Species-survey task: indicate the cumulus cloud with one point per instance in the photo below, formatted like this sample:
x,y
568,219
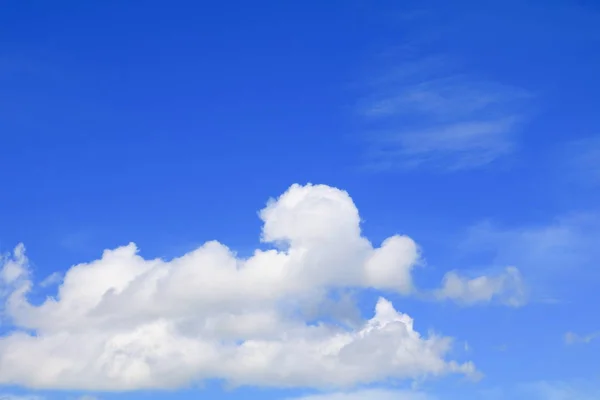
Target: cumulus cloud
x,y
123,322
506,288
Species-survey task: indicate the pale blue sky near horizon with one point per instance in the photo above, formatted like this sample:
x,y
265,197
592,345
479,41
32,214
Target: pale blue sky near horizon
x,y
470,126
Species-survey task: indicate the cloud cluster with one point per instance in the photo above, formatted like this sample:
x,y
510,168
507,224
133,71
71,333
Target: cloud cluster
x,y
123,322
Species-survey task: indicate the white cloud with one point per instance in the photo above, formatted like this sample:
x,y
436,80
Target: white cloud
x,y
506,288
51,279
372,394
14,266
123,322
573,338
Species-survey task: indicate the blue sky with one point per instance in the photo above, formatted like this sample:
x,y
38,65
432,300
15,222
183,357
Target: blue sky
x,y
339,200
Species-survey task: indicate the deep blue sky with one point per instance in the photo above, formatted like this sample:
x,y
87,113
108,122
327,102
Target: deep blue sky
x,y
471,126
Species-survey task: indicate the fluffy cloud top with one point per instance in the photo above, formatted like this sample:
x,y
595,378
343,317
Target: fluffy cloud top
x,y
123,322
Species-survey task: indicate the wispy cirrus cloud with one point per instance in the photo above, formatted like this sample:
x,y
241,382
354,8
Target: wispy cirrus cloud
x,y
545,390
551,390
574,338
5,396
563,243
560,253
431,114
370,394
583,160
